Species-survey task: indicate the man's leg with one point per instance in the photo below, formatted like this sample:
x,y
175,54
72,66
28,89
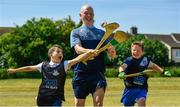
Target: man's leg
x,y
98,96
80,92
79,102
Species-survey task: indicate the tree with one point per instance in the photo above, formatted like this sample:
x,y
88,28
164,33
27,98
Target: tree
x,y
28,44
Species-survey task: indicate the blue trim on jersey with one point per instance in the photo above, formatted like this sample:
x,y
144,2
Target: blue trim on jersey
x,y
85,33
88,37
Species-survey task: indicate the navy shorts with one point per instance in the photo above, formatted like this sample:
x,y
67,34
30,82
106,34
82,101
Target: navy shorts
x,y
82,88
130,96
49,101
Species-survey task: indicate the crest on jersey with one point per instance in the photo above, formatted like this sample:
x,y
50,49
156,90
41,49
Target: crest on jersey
x,y
55,73
144,62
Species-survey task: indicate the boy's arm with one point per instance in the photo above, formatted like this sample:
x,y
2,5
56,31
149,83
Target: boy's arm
x,y
23,69
121,74
79,58
155,67
122,67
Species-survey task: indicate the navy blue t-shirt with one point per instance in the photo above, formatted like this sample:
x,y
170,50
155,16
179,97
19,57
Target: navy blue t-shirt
x,y
53,80
88,37
135,66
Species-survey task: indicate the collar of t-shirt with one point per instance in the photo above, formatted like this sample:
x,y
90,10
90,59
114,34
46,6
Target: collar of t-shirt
x,y
52,64
90,27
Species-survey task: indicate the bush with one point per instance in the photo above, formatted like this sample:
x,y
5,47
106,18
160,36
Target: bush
x,y
174,70
111,72
3,74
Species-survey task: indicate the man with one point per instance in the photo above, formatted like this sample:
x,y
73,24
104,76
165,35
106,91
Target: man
x,y
88,78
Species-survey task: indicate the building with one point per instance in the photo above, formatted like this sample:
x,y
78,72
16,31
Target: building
x,y
5,30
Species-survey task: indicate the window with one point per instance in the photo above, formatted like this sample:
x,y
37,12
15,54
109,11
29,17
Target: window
x,y
178,53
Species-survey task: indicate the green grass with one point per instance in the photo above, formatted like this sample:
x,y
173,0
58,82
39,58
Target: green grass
x,y
22,92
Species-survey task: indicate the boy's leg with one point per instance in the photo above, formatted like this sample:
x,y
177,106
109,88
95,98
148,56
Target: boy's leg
x,y
98,96
128,98
48,101
141,102
57,102
141,97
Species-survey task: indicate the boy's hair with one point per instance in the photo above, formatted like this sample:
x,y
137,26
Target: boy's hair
x,y
139,43
51,50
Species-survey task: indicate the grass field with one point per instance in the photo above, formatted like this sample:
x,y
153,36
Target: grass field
x,y
22,92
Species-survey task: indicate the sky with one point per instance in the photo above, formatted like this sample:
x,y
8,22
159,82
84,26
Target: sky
x,y
149,16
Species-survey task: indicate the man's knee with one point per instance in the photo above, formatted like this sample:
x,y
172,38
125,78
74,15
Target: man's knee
x,y
79,102
99,104
98,97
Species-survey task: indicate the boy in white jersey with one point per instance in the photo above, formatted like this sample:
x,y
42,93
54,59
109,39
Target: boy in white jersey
x,y
51,90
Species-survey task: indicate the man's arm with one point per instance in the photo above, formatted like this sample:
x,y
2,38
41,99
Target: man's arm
x,y
23,69
76,43
80,50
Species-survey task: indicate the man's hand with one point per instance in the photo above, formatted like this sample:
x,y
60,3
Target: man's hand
x,y
121,75
111,52
93,54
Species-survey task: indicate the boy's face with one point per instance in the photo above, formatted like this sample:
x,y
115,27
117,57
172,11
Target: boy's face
x,y
136,51
57,55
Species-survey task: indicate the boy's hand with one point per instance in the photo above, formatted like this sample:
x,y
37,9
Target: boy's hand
x,y
11,70
167,73
121,75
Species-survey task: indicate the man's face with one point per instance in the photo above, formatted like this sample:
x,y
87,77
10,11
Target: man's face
x,y
57,55
87,16
136,51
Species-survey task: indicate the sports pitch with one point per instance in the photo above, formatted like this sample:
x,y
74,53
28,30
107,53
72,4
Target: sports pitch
x,y
22,92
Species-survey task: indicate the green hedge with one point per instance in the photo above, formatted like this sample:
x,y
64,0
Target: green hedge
x,y
110,72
